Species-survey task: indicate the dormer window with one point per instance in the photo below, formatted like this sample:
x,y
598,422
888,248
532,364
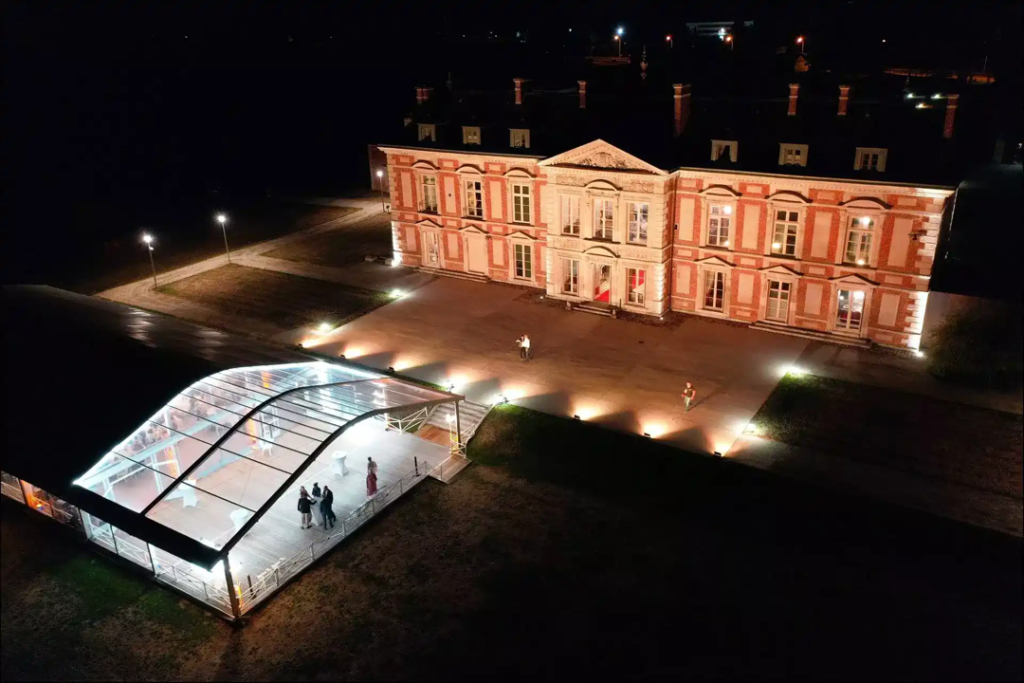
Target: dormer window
x,y
792,155
870,159
471,135
724,150
519,137
427,131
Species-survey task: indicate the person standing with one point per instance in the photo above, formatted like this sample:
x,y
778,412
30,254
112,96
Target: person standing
x,y
305,509
314,504
327,508
316,489
689,393
371,477
525,346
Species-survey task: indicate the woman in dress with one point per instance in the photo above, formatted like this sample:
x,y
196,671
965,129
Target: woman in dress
x,y
318,516
371,477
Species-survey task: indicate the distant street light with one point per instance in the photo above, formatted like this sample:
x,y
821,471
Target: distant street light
x,y
148,239
669,39
617,40
380,181
802,43
732,44
222,219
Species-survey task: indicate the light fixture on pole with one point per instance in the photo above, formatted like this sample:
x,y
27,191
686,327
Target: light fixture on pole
x,y
732,43
222,219
668,39
380,182
802,43
148,239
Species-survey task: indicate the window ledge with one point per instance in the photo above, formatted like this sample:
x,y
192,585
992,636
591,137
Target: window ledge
x,y
601,240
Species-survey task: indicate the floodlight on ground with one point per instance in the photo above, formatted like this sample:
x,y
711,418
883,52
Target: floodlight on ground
x,y
324,327
576,417
648,435
341,356
717,454
918,353
391,369
397,293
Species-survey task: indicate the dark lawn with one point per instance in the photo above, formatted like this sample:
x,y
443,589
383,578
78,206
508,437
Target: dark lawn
x,y
344,246
962,444
120,261
285,300
572,552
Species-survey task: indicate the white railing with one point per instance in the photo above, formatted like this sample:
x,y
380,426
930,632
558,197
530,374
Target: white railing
x,y
275,576
180,577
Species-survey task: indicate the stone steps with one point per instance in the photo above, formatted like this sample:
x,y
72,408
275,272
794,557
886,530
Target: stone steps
x,y
470,417
595,309
812,334
458,275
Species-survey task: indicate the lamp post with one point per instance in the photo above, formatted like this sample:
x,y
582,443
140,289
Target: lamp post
x,y
148,239
618,38
801,42
380,181
732,43
222,219
668,39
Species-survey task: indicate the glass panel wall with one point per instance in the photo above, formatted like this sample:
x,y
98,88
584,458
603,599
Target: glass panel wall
x,y
132,549
208,586
37,499
99,532
10,486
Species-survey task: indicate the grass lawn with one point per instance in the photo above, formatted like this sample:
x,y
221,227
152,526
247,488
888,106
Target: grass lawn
x,y
571,552
120,261
961,444
285,300
344,246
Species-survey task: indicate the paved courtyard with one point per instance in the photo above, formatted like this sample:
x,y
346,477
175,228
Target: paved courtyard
x,y
616,373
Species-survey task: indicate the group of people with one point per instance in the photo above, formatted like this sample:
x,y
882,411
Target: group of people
x,y
144,439
317,505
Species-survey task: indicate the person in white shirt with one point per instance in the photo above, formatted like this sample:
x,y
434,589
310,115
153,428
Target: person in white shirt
x,y
525,348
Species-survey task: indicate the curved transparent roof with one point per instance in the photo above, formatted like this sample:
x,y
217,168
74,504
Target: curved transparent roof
x,y
226,447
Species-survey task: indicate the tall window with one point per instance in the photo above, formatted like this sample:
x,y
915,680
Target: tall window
x,y
638,222
519,137
719,225
778,301
524,261
570,215
427,131
714,290
850,310
637,281
474,199
869,161
858,241
570,276
604,218
521,203
429,194
784,236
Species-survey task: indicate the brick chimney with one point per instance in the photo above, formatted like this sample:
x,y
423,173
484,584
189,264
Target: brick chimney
x,y
519,89
947,127
794,91
583,94
844,98
682,107
427,92
419,95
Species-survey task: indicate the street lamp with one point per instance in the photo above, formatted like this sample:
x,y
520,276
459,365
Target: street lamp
x,y
668,39
616,38
222,219
148,239
732,45
802,43
380,182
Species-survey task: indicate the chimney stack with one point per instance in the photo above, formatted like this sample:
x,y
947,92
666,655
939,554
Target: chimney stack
x,y
682,107
844,98
583,94
519,90
947,127
427,92
419,95
794,91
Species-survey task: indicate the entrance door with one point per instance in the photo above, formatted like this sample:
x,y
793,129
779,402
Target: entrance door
x,y
850,310
476,259
602,283
431,250
778,301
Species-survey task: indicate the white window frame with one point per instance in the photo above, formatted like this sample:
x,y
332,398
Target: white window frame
x,y
637,229
858,159
719,146
636,297
792,155
522,251
784,287
791,227
522,202
854,293
425,182
466,204
519,138
602,220
724,303
722,214
570,276
864,235
432,238
569,214
471,135
427,131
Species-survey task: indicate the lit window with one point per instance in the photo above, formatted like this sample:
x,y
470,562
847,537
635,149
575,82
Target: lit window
x,y
870,159
429,185
519,137
471,135
849,310
778,301
638,222
784,235
723,150
524,261
637,280
521,203
719,225
714,290
570,276
792,155
604,218
570,215
858,241
428,132
474,199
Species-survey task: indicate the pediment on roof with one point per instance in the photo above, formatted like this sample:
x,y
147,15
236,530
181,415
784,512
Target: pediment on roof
x,y
789,196
780,269
720,190
427,223
600,251
854,279
520,235
867,202
713,261
601,155
472,229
